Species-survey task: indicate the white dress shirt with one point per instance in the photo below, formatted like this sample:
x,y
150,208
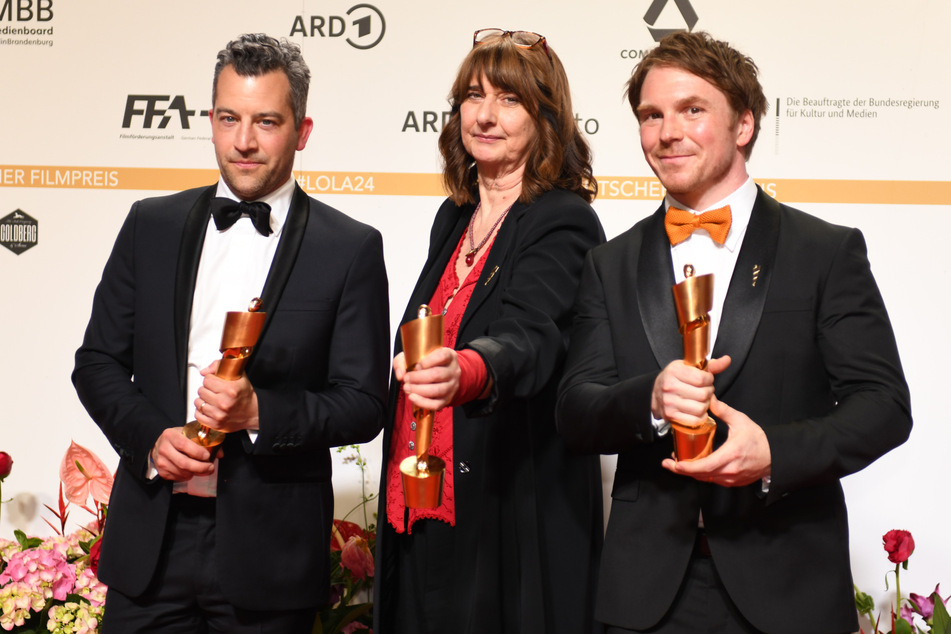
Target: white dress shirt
x,y
707,256
233,268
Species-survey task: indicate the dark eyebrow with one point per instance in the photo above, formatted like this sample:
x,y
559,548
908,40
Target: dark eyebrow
x,y
679,104
258,115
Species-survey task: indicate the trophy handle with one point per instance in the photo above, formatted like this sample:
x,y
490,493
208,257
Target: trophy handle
x,y
238,338
422,474
693,299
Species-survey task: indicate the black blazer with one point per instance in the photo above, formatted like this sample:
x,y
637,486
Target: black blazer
x,y
319,371
517,488
814,363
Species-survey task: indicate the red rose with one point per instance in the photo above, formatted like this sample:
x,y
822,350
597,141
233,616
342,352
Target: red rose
x,y
899,545
6,464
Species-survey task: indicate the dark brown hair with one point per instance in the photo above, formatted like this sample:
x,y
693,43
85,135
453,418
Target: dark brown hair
x,y
733,73
558,157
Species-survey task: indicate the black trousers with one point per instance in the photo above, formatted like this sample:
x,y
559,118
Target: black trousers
x,y
185,596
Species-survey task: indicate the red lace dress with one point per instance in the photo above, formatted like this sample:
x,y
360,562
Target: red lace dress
x,y
403,432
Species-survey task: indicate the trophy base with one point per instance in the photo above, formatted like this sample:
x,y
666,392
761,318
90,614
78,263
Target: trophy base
x,y
204,436
422,490
692,443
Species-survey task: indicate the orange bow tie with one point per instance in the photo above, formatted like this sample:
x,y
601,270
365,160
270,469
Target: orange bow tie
x,y
680,224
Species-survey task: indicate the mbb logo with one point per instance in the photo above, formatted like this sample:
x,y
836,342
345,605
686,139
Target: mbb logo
x,y
26,10
363,26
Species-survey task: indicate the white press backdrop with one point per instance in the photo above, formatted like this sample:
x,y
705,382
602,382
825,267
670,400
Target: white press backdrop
x,y
102,106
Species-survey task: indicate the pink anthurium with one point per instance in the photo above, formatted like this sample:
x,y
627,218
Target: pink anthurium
x,y
357,558
84,474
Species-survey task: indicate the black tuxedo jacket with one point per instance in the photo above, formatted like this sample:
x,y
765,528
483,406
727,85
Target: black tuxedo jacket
x,y
319,370
814,363
528,511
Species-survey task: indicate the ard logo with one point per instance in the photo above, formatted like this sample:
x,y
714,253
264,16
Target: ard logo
x,y
18,231
362,28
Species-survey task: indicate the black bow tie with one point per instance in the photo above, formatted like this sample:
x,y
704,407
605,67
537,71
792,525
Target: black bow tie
x,y
227,212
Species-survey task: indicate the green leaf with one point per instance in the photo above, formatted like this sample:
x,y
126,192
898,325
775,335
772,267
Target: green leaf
x,y
941,622
902,627
26,542
864,603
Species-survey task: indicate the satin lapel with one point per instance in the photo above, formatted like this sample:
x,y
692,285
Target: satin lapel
x,y
440,251
746,296
497,257
287,248
189,255
655,279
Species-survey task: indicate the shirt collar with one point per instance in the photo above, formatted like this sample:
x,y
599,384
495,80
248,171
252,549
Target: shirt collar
x,y
741,209
279,200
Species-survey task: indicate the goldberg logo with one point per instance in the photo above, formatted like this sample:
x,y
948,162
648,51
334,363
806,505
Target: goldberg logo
x,y
18,232
363,27
687,13
153,108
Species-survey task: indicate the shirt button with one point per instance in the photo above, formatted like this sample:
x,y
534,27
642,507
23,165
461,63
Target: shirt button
x,y
412,445
412,426
463,467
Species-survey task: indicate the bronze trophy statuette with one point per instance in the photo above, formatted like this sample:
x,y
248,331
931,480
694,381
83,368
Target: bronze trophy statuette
x,y
238,337
693,299
422,474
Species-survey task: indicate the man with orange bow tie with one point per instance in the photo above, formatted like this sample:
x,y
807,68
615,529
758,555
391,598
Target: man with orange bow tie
x,y
804,380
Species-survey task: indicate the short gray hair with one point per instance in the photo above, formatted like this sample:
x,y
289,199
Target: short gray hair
x,y
255,54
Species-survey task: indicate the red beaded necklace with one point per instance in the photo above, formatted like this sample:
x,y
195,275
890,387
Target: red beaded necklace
x,y
473,249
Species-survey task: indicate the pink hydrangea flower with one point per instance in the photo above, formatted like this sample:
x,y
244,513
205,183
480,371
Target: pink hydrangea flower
x,y
74,618
89,587
46,574
15,603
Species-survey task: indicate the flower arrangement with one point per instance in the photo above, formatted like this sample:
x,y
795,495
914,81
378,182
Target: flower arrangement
x,y
351,565
50,585
916,615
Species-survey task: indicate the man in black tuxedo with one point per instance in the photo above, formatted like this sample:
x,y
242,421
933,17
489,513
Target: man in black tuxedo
x,y
236,539
805,380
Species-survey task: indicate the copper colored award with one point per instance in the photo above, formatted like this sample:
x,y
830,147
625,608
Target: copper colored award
x,y
694,299
238,337
422,474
